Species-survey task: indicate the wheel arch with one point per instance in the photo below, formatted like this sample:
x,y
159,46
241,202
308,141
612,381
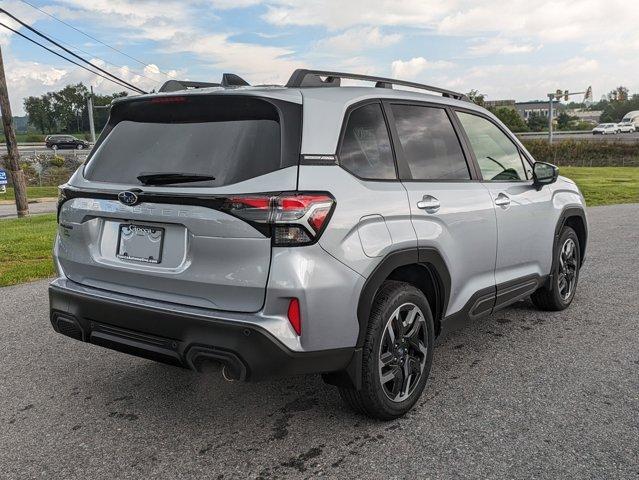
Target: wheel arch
x,y
403,265
423,268
575,218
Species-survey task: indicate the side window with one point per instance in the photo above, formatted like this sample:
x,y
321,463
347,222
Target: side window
x,y
366,149
430,144
496,154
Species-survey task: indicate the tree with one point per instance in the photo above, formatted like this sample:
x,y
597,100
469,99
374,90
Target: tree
x,y
66,110
511,118
564,121
40,112
537,122
619,94
68,106
477,98
615,111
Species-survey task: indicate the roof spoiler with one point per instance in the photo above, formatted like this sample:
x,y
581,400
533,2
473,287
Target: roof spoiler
x,y
229,80
313,78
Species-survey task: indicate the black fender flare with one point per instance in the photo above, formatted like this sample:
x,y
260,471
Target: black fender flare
x,y
428,257
567,213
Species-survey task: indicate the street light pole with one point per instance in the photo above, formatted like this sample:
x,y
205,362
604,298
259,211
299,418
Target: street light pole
x,y
13,156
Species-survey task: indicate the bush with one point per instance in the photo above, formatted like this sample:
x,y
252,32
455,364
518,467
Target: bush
x,y
34,138
57,161
55,176
30,173
585,153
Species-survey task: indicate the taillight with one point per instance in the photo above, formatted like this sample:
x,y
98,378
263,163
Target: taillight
x,y
295,218
61,199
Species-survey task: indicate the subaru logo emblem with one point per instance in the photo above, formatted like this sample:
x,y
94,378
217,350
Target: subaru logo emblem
x,y
128,198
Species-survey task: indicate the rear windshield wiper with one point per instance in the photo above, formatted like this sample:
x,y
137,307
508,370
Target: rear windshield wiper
x,y
152,178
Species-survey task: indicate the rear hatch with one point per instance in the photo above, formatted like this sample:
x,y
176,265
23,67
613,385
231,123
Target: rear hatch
x,y
160,209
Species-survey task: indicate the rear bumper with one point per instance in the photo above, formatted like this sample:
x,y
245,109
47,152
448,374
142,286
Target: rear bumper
x,y
247,351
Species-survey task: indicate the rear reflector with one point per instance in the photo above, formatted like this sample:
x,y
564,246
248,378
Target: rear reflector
x,y
294,316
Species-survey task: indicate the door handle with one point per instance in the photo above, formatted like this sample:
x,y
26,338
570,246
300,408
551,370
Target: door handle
x,y
429,203
502,200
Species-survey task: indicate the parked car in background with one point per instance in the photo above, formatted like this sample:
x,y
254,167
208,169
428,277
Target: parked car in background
x,y
605,129
626,127
55,142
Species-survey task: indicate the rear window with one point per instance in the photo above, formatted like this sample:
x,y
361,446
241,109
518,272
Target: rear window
x,y
230,138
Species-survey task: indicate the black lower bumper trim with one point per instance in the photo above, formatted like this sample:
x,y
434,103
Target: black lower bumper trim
x,y
248,352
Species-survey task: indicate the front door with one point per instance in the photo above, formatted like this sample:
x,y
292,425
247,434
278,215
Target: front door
x,y
525,234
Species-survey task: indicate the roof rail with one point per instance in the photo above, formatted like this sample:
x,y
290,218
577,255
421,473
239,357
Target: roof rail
x,y
312,78
229,80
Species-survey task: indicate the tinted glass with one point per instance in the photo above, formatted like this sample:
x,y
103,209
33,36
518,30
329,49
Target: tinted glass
x,y
497,155
230,151
430,144
366,149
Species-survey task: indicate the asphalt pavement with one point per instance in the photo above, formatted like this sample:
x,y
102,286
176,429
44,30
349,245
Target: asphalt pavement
x,y
521,394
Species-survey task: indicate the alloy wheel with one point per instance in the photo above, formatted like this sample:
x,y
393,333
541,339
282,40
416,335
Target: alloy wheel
x,y
403,352
567,277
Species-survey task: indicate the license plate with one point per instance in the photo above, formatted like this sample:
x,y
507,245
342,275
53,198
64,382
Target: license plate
x,y
140,243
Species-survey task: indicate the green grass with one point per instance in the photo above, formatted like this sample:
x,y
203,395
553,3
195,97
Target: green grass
x,y
33,193
25,244
25,248
605,185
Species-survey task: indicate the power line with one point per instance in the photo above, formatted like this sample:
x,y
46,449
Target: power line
x,y
98,58
92,37
62,56
131,86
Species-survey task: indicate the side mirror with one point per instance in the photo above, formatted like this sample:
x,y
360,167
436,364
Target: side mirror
x,y
544,174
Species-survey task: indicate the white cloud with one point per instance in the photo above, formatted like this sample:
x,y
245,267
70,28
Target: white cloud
x,y
358,39
230,4
258,63
338,14
498,45
526,82
411,69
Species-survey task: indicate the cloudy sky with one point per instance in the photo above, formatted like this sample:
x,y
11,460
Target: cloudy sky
x,y
505,49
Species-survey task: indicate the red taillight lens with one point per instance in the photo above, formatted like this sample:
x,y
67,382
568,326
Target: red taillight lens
x,y
296,218
294,316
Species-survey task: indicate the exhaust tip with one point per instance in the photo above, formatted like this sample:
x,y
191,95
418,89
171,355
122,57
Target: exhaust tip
x,y
233,368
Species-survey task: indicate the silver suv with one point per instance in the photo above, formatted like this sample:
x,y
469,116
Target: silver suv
x,y
308,228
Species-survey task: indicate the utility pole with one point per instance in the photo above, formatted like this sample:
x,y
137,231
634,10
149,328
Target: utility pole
x,y
551,99
90,108
13,163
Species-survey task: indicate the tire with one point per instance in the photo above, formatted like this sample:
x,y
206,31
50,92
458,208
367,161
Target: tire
x,y
394,301
80,146
54,147
559,295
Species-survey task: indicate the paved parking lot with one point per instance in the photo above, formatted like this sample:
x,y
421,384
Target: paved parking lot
x,y
521,394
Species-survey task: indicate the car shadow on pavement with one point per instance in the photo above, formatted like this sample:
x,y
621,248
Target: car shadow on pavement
x,y
159,391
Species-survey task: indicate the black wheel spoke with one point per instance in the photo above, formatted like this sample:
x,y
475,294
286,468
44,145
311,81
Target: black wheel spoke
x,y
403,352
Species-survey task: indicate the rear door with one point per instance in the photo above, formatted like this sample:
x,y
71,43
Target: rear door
x,y
450,210
190,243
525,232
